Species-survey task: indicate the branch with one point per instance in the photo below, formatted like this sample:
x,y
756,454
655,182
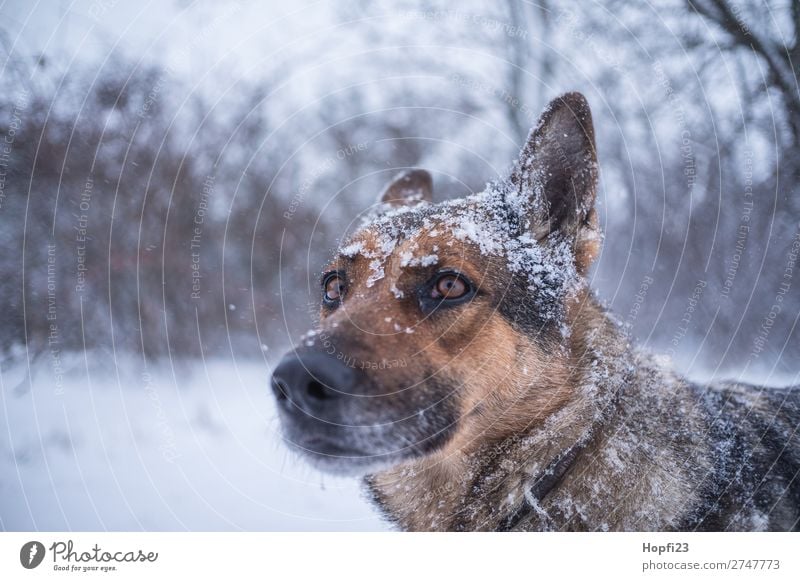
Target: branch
x,y
519,50
782,73
795,52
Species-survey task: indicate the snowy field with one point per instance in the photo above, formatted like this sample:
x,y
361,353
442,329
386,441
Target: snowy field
x,y
190,447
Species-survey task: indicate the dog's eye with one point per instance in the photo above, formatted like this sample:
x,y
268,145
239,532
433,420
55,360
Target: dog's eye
x,y
446,289
449,286
333,287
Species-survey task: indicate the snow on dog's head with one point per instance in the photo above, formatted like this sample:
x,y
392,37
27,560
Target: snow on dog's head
x,y
432,314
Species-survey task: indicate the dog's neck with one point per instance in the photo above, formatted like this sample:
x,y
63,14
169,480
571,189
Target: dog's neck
x,y
518,469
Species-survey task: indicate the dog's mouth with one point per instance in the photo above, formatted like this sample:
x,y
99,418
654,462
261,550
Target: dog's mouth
x,y
337,456
355,451
323,446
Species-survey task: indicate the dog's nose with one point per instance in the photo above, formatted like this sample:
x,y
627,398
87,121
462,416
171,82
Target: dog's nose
x,y
311,381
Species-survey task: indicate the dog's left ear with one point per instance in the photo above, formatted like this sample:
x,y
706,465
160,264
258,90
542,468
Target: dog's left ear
x,y
407,188
555,177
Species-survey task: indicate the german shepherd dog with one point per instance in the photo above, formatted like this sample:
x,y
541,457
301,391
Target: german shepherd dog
x,y
464,367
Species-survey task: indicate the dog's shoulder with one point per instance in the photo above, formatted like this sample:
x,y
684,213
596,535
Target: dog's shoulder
x,y
754,433
739,399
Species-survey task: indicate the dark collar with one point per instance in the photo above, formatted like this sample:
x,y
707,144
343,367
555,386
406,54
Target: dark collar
x,y
556,470
547,480
558,467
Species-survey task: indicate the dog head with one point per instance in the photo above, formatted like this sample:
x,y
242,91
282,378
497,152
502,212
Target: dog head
x,y
444,323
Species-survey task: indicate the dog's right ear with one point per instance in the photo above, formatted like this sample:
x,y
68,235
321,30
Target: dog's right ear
x,y
408,188
554,182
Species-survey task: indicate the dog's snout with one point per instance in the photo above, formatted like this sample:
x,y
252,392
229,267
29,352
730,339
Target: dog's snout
x,y
311,381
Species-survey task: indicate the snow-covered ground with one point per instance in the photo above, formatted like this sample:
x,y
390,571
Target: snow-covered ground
x,y
192,446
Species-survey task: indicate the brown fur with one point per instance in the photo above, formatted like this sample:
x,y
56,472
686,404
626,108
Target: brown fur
x,y
522,407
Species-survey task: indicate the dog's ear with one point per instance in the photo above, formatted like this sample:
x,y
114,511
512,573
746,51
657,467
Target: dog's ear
x,y
407,188
555,177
